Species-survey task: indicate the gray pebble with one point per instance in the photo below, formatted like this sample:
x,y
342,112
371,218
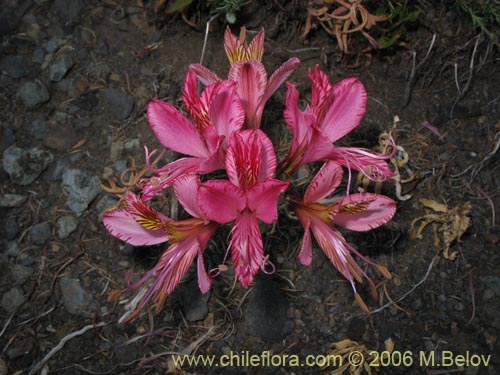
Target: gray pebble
x,y
40,233
76,299
34,94
119,103
13,299
66,225
80,188
25,165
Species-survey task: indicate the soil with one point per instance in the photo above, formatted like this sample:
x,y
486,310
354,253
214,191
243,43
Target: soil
x,y
100,63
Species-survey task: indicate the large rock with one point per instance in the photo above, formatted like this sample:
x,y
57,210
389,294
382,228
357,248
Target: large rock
x,y
80,188
25,165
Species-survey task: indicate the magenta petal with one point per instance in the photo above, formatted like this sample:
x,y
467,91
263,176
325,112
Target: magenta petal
x,y
246,247
205,76
204,280
174,130
364,211
251,78
268,157
221,201
186,190
305,253
226,112
324,182
263,199
279,76
321,87
346,109
123,226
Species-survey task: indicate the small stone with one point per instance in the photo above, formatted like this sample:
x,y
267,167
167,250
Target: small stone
x,y
80,188
68,10
417,304
127,249
492,282
194,303
24,166
119,103
20,274
40,233
13,299
442,298
53,44
12,200
77,300
60,67
14,66
116,150
106,203
34,94
107,173
12,249
459,306
121,165
488,294
39,129
66,225
61,137
133,146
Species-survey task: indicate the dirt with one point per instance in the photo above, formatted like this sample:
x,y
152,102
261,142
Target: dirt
x,y
55,288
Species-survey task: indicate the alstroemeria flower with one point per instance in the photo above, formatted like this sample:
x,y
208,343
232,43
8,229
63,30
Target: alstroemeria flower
x,y
251,194
358,212
254,87
139,224
334,112
217,113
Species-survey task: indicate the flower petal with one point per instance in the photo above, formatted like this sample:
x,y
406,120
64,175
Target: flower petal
x,y
145,215
372,165
123,226
251,78
205,75
235,50
305,253
186,190
324,182
346,109
263,198
246,247
220,200
226,112
255,49
174,130
204,280
321,87
279,76
364,211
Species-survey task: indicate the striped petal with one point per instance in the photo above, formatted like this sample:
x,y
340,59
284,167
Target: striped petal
x,y
324,182
220,201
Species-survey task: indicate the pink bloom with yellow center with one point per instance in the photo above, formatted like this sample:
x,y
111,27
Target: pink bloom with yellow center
x,y
358,212
251,194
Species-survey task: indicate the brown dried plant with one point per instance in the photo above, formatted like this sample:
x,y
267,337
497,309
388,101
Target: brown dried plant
x,y
342,18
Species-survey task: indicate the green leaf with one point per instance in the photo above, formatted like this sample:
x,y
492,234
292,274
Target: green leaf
x,y
178,5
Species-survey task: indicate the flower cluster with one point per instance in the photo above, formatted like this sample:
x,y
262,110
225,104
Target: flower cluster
x,y
224,134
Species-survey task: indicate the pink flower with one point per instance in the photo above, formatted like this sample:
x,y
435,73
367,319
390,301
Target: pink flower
x,y
141,225
254,87
217,113
358,212
334,112
251,194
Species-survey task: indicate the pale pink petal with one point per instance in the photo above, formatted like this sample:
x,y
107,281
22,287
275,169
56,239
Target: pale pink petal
x,y
205,76
255,49
321,87
226,112
373,165
263,198
235,50
318,148
334,246
122,225
204,280
364,211
324,182
186,190
246,247
345,110
145,215
221,201
267,156
279,76
300,123
174,130
166,175
251,78
305,253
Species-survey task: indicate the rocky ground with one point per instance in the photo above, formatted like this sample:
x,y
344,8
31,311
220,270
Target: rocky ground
x,y
75,79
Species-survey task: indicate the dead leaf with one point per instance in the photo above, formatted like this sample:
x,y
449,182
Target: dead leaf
x,y
449,224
